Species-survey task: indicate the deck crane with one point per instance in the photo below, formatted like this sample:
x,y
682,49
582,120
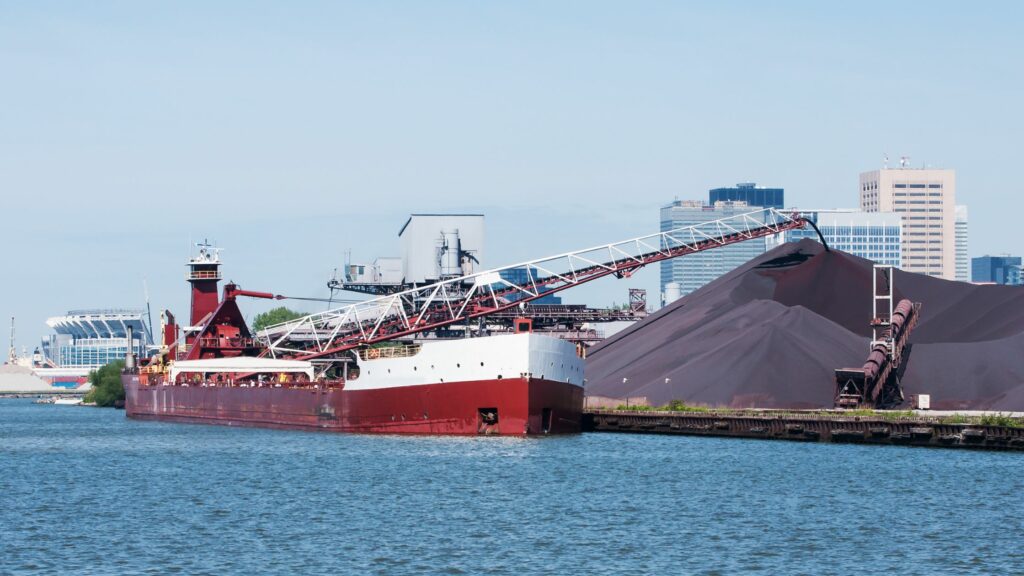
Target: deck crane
x,y
329,334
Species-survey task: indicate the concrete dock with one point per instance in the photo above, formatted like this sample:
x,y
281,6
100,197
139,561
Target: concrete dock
x,y
945,431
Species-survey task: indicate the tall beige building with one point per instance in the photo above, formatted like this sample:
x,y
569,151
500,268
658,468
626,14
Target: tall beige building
x,y
927,200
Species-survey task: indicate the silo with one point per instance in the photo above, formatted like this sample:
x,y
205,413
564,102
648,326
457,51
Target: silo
x,y
673,292
449,254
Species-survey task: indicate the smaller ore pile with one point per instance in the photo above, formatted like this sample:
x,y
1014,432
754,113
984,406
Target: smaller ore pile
x,y
771,333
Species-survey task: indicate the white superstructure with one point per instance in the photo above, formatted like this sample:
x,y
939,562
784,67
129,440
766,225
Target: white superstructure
x,y
469,360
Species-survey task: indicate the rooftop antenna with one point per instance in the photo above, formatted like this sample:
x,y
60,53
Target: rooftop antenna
x,y
885,161
904,161
12,354
332,285
208,252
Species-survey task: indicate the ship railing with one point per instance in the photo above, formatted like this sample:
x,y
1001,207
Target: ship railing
x,y
203,275
389,352
268,382
240,342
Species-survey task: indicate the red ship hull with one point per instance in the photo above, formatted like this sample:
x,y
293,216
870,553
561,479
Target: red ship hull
x,y
522,405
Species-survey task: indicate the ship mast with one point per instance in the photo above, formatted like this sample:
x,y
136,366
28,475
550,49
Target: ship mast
x,y
12,353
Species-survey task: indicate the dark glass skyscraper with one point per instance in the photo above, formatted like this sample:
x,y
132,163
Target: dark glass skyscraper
x,y
750,193
998,269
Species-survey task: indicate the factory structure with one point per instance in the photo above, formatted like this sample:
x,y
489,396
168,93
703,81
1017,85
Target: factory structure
x,y
438,247
434,247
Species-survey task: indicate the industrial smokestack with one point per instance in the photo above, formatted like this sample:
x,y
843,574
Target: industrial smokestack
x,y
129,357
449,254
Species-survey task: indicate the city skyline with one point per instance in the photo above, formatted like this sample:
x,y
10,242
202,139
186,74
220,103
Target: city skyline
x,y
289,136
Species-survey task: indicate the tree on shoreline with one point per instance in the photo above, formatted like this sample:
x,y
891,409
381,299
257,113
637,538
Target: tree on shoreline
x,y
107,388
274,316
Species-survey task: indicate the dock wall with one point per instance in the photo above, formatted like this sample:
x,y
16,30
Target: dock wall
x,y
909,431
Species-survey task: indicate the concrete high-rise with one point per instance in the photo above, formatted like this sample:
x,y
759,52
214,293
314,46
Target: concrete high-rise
x,y
963,261
926,198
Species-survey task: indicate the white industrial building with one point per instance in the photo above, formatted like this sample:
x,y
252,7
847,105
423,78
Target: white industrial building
x,y
433,247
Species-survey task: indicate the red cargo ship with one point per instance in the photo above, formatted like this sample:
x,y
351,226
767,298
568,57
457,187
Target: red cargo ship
x,y
510,384
329,371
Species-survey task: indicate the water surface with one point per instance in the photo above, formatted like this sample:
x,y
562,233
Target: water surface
x,y
87,491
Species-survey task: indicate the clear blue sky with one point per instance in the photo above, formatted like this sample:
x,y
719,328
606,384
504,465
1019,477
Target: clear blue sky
x,y
291,131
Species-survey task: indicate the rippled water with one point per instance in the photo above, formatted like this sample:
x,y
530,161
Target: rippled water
x,y
88,491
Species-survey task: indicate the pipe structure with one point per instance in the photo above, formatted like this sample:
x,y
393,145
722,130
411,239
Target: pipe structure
x,y
129,357
876,383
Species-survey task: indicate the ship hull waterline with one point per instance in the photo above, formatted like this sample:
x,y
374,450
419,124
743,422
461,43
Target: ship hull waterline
x,y
523,406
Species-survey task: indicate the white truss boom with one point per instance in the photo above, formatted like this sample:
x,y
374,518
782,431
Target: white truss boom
x,y
464,298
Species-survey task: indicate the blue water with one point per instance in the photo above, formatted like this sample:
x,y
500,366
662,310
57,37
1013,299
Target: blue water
x,y
86,491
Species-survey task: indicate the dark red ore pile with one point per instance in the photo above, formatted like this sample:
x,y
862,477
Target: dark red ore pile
x,y
771,333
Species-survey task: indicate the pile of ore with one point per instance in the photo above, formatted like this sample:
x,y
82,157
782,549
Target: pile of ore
x,y
771,333
21,380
